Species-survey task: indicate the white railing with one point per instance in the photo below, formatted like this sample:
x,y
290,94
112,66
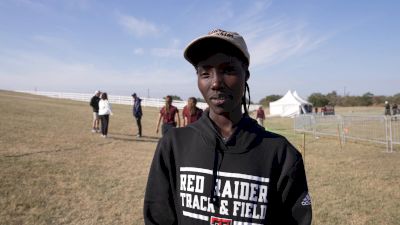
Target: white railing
x,y
377,129
124,100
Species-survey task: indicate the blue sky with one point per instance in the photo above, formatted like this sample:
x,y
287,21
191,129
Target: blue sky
x,y
126,46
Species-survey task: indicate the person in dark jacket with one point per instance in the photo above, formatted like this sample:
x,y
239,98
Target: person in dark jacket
x,y
225,168
137,113
394,109
94,103
387,108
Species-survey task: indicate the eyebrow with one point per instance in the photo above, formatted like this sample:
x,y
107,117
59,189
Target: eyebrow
x,y
209,65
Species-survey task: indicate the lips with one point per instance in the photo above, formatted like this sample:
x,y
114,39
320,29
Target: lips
x,y
220,99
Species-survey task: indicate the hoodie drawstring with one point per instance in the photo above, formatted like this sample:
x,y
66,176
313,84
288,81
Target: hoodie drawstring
x,y
217,163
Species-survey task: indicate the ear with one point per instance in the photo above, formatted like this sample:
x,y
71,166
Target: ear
x,y
247,74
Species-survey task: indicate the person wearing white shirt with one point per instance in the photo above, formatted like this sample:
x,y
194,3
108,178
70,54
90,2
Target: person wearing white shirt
x,y
104,113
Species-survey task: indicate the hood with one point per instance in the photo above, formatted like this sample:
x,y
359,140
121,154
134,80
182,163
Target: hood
x,y
246,136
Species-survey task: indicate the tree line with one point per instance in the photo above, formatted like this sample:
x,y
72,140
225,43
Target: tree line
x,y
332,98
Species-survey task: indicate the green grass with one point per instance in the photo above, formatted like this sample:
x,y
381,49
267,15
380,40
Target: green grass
x,y
53,170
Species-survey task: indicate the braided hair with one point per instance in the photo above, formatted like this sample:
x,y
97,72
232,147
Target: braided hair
x,y
246,105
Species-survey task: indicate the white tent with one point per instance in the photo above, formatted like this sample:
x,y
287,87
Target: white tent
x,y
289,105
300,99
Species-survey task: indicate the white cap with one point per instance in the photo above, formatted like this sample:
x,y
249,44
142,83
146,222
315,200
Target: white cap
x,y
232,38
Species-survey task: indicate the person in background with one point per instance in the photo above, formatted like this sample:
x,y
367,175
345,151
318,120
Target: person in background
x,y
104,113
387,108
94,103
225,168
137,113
168,114
191,113
394,109
323,110
260,116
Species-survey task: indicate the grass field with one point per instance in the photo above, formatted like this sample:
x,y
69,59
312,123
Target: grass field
x,y
53,170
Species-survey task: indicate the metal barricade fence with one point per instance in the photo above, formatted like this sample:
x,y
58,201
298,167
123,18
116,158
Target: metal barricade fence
x,y
327,125
395,130
376,129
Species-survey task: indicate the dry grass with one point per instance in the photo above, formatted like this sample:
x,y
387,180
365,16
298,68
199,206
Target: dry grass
x,y
53,170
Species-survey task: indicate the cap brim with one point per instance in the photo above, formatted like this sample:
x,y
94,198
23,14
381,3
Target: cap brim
x,y
208,43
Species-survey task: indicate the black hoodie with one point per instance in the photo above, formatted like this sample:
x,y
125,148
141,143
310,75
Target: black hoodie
x,y
197,177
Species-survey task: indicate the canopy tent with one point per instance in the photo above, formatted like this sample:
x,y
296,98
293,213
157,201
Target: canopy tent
x,y
289,105
300,99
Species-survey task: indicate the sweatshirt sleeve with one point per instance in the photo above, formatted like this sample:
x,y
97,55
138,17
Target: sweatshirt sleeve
x,y
293,187
159,207
92,103
110,108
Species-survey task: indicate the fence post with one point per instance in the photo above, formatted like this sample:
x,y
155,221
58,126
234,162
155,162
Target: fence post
x,y
314,124
386,132
390,135
339,136
343,131
294,124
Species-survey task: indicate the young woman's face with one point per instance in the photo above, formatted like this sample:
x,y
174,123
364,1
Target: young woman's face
x,y
221,81
190,102
168,100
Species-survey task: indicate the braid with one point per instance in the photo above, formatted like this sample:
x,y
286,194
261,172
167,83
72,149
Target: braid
x,y
244,102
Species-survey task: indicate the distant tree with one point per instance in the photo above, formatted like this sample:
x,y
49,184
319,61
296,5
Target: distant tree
x,y
395,98
200,100
175,97
333,98
318,99
351,100
379,99
269,98
366,99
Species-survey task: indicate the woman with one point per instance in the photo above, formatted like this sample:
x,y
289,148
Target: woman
x,y
190,112
225,168
260,116
168,114
104,113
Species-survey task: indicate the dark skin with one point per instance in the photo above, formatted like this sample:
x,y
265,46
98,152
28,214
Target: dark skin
x,y
221,81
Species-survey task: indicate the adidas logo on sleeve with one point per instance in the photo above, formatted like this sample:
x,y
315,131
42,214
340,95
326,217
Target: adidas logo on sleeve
x,y
306,200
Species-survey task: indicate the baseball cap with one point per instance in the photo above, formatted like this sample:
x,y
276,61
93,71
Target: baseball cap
x,y
133,95
97,92
213,41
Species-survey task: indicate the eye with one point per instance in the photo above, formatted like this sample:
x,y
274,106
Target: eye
x,y
229,70
204,75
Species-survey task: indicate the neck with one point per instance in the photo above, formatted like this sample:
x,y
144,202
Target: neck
x,y
226,122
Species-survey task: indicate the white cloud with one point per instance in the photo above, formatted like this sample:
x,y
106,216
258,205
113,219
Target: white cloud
x,y
166,52
173,51
23,70
50,40
137,27
34,5
273,40
138,51
80,4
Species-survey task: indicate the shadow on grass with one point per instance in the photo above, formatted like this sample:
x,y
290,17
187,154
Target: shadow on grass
x,y
40,152
135,139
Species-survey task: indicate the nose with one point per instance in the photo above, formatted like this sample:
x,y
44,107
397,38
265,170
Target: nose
x,y
217,81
